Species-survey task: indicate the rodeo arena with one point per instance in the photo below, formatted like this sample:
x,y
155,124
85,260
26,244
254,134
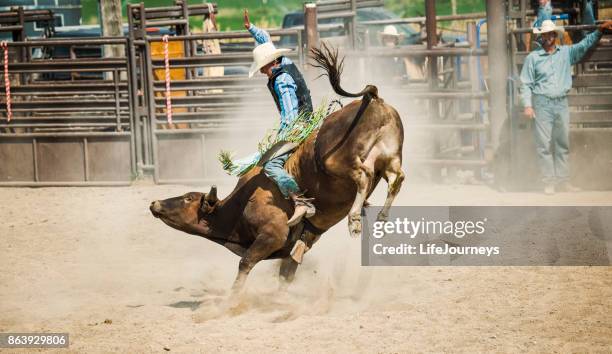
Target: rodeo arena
x,y
168,186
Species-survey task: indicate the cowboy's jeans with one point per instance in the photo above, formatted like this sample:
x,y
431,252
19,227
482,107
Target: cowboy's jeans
x,y
551,132
275,170
544,13
587,13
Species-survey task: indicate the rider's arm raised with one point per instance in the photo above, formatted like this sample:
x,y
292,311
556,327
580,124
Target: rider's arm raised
x,y
261,36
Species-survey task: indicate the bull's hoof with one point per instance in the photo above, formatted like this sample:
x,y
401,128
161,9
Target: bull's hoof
x,y
382,216
297,253
354,223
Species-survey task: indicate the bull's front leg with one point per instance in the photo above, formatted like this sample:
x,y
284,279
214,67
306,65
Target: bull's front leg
x,y
289,266
264,245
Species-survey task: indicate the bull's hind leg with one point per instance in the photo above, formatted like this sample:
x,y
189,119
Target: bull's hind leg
x,y
394,176
363,177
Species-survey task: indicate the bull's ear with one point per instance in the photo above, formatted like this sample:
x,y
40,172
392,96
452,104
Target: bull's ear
x,y
211,197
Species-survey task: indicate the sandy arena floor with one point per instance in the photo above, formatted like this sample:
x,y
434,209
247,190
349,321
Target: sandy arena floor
x,y
93,262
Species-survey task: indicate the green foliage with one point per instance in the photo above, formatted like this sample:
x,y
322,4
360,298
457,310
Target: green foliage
x,y
415,8
268,12
301,127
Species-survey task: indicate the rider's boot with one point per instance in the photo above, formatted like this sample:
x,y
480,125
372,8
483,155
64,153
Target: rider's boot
x,y
303,208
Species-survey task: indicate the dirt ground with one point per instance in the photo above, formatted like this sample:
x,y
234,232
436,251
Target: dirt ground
x,y
93,262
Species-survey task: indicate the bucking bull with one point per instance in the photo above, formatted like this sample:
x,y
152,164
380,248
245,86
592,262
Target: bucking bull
x,y
339,166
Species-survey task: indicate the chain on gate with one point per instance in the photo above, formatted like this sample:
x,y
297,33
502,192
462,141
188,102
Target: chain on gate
x,y
7,81
167,69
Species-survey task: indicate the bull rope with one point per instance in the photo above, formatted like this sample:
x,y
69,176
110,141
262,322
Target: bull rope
x,y
168,94
330,108
7,82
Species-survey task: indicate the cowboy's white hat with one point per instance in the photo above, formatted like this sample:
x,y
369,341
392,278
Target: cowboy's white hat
x,y
264,54
390,30
548,26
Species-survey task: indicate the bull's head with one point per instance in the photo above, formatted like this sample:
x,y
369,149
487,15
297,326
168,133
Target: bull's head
x,y
186,212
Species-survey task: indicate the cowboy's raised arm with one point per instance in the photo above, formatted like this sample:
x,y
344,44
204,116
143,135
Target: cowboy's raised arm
x,y
261,36
578,50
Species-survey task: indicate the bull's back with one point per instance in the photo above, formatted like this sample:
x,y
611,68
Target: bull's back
x,y
341,144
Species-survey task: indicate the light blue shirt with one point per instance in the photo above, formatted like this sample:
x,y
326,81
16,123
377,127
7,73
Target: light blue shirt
x,y
284,85
550,75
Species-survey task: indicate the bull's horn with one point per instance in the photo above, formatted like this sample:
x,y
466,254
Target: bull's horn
x,y
212,195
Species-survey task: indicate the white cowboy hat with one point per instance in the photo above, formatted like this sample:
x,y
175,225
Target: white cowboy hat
x,y
390,31
264,54
548,26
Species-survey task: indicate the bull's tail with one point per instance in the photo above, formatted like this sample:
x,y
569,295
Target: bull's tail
x,y
326,58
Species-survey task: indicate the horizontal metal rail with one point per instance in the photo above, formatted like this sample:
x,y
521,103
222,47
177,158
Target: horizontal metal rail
x,y
460,17
579,99
420,51
326,6
63,134
567,28
43,118
69,41
61,125
221,35
343,14
211,59
599,53
67,94
445,162
172,11
66,184
227,111
595,116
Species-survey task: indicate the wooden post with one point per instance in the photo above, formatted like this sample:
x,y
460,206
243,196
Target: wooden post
x,y
432,41
311,26
475,83
498,69
473,64
110,13
354,24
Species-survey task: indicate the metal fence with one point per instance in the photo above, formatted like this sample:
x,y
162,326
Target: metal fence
x,y
207,107
81,119
72,119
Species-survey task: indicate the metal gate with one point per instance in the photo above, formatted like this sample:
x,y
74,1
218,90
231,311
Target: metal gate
x,y
72,120
205,109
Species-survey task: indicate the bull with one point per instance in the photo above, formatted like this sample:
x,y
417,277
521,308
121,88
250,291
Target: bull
x,y
339,166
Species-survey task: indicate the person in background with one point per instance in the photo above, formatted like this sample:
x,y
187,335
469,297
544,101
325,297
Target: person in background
x,y
292,97
545,11
546,79
397,67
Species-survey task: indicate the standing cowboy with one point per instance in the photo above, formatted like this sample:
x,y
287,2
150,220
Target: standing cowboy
x,y
292,98
546,79
401,68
